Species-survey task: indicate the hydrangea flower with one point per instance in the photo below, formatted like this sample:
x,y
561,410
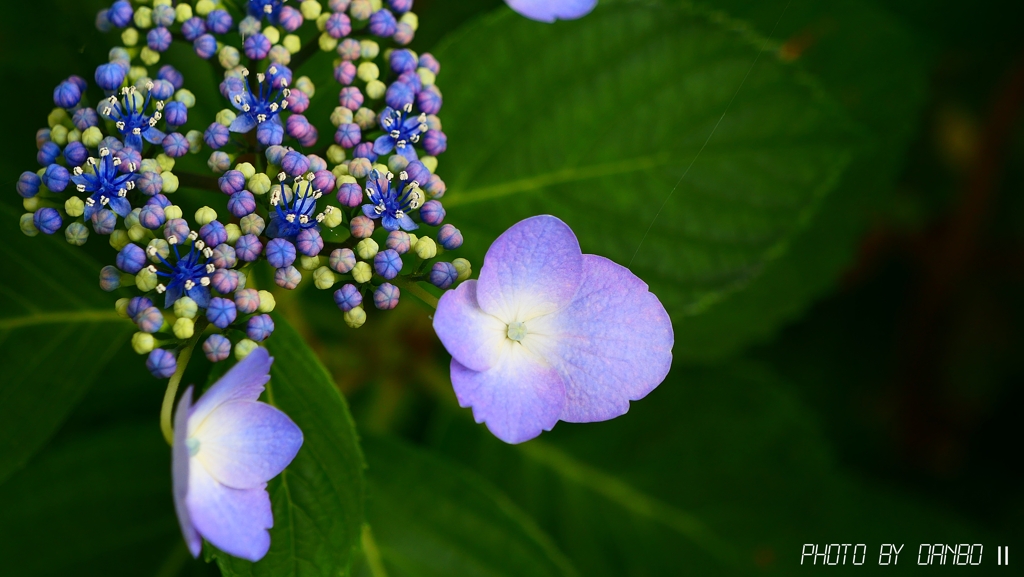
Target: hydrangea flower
x,y
551,10
188,276
107,186
260,107
226,448
402,131
391,201
131,118
293,212
550,334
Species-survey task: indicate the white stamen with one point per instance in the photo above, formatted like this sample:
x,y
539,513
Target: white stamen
x,y
161,289
172,239
189,285
205,281
210,268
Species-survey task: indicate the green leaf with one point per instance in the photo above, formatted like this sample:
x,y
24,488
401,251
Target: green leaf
x,y
433,518
731,446
57,331
318,499
598,120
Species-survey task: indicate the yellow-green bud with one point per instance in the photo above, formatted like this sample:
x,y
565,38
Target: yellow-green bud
x,y
144,17
74,135
234,232
335,154
341,116
130,37
165,162
324,278
368,71
292,43
309,263
119,239
59,135
306,86
362,272
369,49
163,249
430,162
149,56
121,306
411,19
205,215
381,168
267,302
375,89
137,73
228,56
92,137
138,233
247,169
185,97
397,163
412,239
259,184
184,328
425,248
272,34
146,280
27,225
367,249
58,116
143,343
186,308
31,204
332,219
173,211
182,12
204,7
327,42
340,171
244,348
321,22
310,9
226,117
170,182
464,268
355,318
427,77
365,118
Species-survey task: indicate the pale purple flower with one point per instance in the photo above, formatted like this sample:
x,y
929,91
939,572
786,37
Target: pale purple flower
x,y
550,10
226,447
550,334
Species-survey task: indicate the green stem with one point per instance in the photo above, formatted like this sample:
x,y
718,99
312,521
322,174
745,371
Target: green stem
x,y
416,291
372,553
172,385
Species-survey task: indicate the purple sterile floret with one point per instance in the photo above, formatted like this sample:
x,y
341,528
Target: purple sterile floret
x,y
226,448
548,333
551,10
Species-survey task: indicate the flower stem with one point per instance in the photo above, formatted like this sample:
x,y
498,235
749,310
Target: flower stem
x,y
416,291
172,385
372,553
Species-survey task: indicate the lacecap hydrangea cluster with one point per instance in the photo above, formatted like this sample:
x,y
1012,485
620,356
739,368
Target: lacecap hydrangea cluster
x,y
358,216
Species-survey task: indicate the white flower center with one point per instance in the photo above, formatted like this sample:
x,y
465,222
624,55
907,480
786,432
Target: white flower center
x,y
517,331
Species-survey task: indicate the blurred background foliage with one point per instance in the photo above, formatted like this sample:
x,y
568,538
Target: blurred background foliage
x,y
843,263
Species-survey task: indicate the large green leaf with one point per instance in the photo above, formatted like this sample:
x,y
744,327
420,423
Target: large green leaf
x,y
597,120
433,518
318,499
57,331
733,447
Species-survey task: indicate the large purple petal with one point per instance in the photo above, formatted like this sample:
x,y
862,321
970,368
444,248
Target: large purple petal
x,y
383,144
180,474
244,382
242,123
518,398
244,444
550,10
233,520
612,345
532,269
472,337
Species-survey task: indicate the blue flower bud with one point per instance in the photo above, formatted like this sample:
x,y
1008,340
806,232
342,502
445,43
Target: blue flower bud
x,y
219,22
449,237
350,97
403,61
161,363
175,145
348,135
67,94
435,186
342,260
365,150
432,213
428,61
323,180
110,278
193,28
216,136
171,74
56,178
295,163
387,263
269,133
287,277
256,46
386,296
350,195
221,312
152,216
309,242
136,305
76,153
232,181
176,113
159,39
361,227
224,281
205,46
110,76
259,327
348,297
435,142
121,13
338,26
85,118
149,320
241,203
104,221
158,200
131,259
48,153
280,253
47,220
28,184
76,234
217,348
247,301
213,233
150,184
163,90
429,100
399,241
443,275
176,230
399,95
248,248
383,23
